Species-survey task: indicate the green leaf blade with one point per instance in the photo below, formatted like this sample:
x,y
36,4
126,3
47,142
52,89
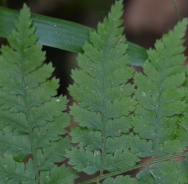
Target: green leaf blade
x,y
61,34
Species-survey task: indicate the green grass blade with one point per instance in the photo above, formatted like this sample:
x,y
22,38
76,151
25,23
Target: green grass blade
x,y
137,54
62,34
50,31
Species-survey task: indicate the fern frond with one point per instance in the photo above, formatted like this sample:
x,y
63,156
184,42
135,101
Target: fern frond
x,y
31,118
161,103
104,99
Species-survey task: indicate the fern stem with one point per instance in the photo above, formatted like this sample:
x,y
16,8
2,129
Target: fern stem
x,y
31,137
102,155
176,8
30,130
104,124
103,117
156,128
158,112
143,165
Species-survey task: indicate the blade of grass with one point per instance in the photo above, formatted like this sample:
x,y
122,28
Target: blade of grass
x,y
62,34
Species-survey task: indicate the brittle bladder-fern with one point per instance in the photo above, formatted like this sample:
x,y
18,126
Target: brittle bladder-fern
x,y
123,116
31,118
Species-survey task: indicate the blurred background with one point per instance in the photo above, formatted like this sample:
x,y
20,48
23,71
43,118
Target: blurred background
x,y
144,21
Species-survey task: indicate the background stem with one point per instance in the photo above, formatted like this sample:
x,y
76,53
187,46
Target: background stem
x,y
5,4
177,12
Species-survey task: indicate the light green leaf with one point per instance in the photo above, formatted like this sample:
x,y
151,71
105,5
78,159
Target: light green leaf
x,y
115,143
88,118
86,161
18,146
14,172
142,127
164,173
122,125
172,95
52,154
121,160
173,81
120,180
13,121
141,147
59,175
89,139
169,147
170,109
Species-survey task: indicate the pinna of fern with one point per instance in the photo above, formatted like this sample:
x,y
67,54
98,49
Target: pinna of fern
x,y
161,103
104,100
31,118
